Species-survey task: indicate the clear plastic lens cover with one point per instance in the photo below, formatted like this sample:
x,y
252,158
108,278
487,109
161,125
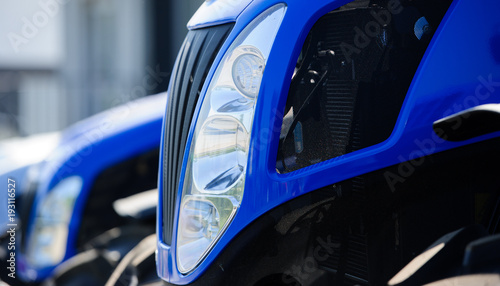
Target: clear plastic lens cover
x,y
202,219
214,179
220,156
47,243
248,68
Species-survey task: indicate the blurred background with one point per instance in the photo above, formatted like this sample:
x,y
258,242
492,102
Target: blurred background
x,y
64,60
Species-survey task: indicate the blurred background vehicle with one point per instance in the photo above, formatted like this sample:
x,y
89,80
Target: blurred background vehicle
x,y
107,157
67,209
19,158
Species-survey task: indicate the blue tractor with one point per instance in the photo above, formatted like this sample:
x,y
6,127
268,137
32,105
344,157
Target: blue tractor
x,y
330,142
76,219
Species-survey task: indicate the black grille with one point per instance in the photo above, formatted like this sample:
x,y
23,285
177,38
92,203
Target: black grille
x,y
191,68
359,107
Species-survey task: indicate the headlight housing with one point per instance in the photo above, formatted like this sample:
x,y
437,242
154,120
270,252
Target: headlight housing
x,y
214,179
48,239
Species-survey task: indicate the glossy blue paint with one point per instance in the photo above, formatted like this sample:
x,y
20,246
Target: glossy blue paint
x,y
86,149
216,12
459,70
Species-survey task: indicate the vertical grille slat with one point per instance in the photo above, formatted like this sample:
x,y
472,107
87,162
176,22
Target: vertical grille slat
x,y
190,71
183,87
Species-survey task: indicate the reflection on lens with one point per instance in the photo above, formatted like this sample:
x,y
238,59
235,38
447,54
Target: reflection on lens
x,y
219,155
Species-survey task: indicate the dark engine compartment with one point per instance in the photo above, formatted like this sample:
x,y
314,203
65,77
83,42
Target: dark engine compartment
x,y
351,78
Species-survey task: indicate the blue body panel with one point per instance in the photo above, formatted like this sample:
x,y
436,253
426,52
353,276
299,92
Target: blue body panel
x,y
460,69
88,148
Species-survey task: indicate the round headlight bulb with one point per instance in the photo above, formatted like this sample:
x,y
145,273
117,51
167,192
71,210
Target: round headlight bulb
x,y
247,70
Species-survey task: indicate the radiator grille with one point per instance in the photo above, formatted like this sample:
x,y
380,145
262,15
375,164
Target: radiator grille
x,y
345,91
191,68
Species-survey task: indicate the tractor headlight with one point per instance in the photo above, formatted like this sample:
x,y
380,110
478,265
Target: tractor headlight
x,y
248,68
48,240
214,181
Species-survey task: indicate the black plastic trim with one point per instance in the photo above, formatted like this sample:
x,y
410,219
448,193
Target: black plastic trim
x,y
191,68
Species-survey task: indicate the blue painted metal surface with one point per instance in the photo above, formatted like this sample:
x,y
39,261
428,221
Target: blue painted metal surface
x,y
85,150
460,69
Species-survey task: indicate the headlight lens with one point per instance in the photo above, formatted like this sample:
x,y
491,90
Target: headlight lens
x,y
219,157
215,173
48,240
248,68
